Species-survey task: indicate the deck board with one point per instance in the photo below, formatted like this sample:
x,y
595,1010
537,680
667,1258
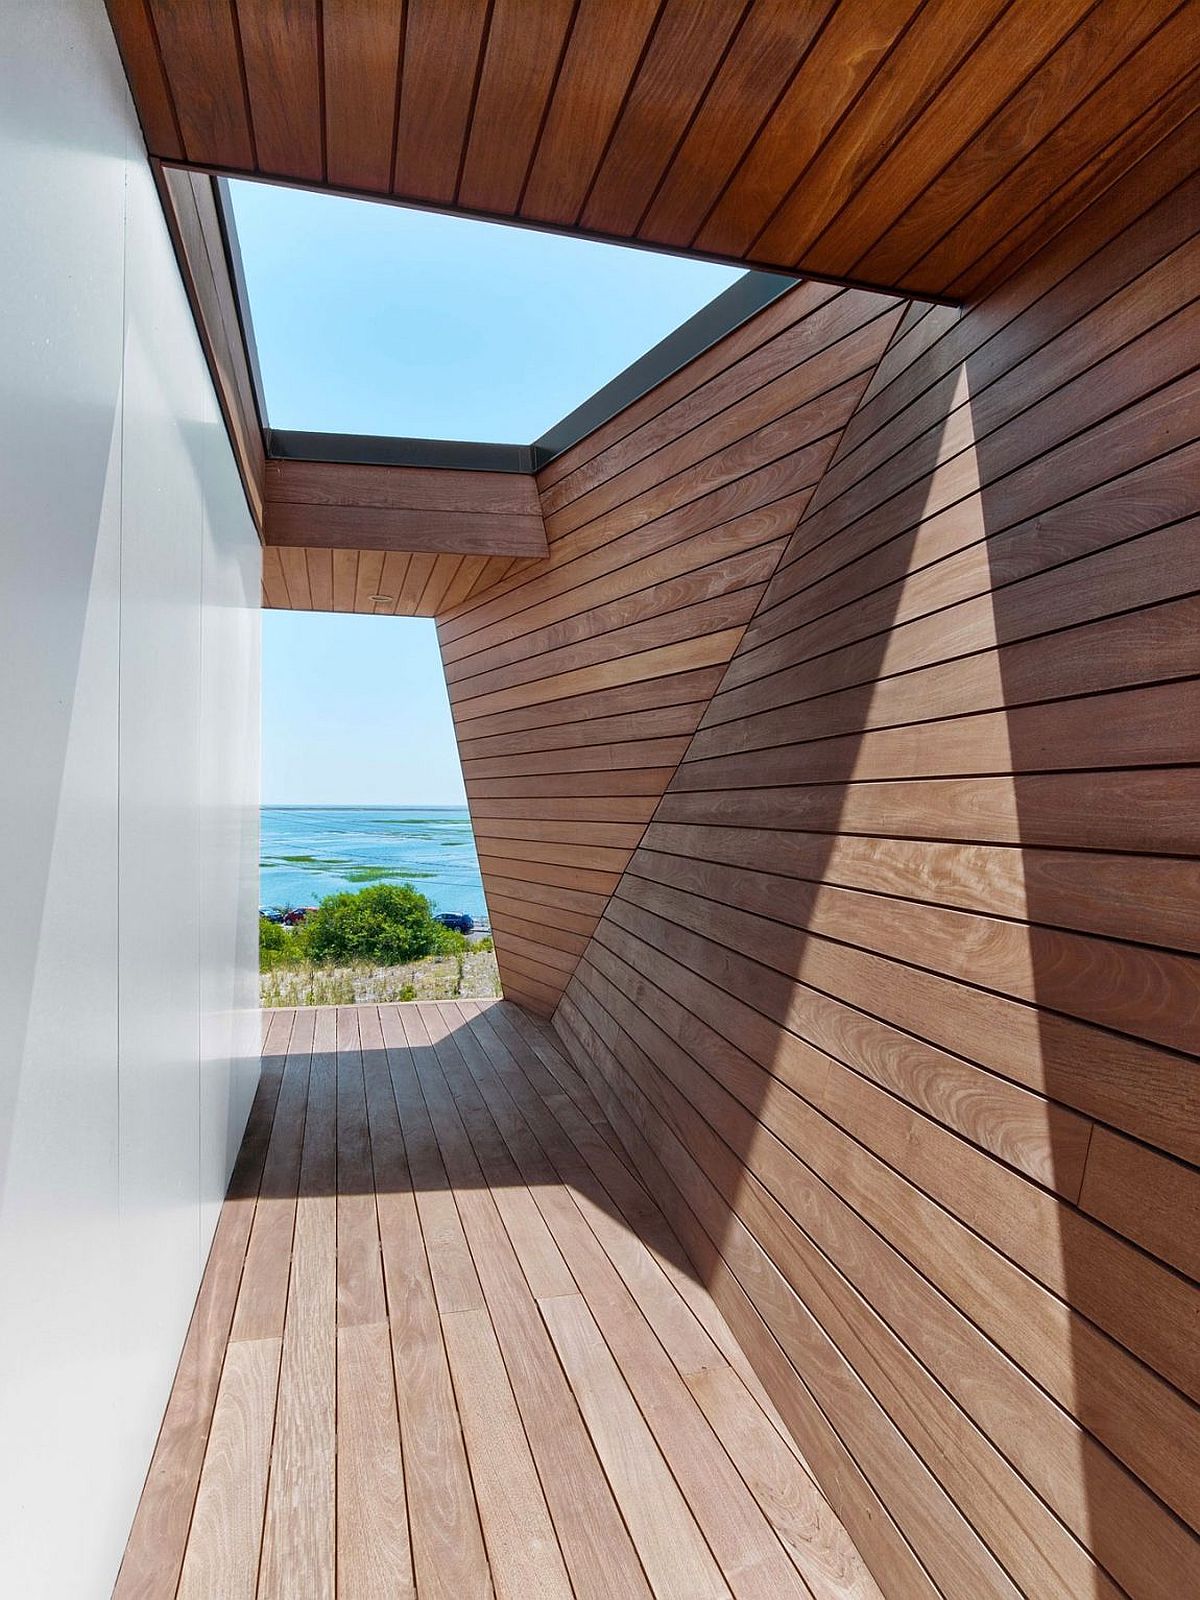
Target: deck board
x,y
468,1357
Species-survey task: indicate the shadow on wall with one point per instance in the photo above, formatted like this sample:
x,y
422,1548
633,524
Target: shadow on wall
x,y
720,983
1096,635
497,1075
888,1005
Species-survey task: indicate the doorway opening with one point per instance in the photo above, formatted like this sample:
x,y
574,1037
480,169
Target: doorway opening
x,y
370,888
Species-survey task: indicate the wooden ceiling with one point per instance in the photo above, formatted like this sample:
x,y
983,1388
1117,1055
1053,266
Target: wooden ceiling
x,y
393,541
920,145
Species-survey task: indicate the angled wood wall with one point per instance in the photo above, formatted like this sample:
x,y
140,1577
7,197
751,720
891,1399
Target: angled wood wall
x,y
893,1003
577,682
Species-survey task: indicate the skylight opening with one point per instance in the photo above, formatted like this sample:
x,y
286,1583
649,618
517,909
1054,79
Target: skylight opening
x,y
378,319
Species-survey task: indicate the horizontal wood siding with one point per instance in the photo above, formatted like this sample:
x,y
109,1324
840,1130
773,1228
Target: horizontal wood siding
x,y
437,510
576,682
893,1004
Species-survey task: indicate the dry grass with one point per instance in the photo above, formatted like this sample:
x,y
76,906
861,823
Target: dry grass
x,y
470,976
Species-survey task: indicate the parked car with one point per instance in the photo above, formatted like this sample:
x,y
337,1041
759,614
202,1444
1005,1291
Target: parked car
x,y
458,920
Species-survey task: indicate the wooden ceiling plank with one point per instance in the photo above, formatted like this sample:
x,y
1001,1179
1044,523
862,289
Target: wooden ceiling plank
x,y
685,52
274,586
941,37
468,574
1079,145
838,67
916,144
320,578
498,568
524,48
280,50
370,572
138,44
295,573
762,60
391,580
1105,37
442,577
202,57
598,66
442,44
420,569
345,579
1019,43
362,72
1166,138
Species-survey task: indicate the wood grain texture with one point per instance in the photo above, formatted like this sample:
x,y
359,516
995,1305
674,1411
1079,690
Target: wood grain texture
x,y
935,1147
325,504
663,531
470,1460
154,1553
899,144
190,207
376,583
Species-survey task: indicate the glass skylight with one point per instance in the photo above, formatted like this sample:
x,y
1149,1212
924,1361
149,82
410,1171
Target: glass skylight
x,y
378,319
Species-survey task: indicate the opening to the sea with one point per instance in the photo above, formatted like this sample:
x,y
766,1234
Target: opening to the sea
x,y
369,882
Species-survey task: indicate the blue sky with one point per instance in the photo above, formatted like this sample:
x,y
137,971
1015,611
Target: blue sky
x,y
355,712
375,319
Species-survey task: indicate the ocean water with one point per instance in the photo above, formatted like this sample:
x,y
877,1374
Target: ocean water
x,y
308,852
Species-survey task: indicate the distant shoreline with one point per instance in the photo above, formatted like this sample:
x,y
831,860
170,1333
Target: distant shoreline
x,y
308,852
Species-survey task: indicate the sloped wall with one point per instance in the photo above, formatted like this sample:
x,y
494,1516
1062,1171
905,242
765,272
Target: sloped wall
x,y
577,682
893,1002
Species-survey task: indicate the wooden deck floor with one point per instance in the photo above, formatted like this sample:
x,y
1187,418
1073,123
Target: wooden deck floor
x,y
447,1347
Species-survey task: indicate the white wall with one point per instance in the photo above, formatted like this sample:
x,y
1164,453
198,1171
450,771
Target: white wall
x,y
128,805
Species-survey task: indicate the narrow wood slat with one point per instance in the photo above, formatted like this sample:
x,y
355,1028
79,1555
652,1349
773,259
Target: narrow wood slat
x,y
374,1557
684,51
602,51
281,59
154,1553
360,1297
522,1546
361,60
227,1527
448,1554
299,1532
518,73
200,52
262,1293
669,1543
442,45
147,78
595,1545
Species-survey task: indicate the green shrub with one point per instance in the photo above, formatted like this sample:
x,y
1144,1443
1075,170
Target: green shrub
x,y
388,924
483,944
279,946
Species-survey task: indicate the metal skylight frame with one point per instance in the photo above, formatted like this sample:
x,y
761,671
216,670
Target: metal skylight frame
x,y
743,299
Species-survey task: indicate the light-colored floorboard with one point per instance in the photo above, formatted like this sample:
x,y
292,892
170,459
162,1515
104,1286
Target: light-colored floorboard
x,y
468,1359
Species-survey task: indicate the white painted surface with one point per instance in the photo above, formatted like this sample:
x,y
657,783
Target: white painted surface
x,y
128,805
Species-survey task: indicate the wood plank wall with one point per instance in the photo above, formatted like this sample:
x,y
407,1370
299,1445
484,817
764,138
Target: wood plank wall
x,y
894,1001
336,506
577,682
